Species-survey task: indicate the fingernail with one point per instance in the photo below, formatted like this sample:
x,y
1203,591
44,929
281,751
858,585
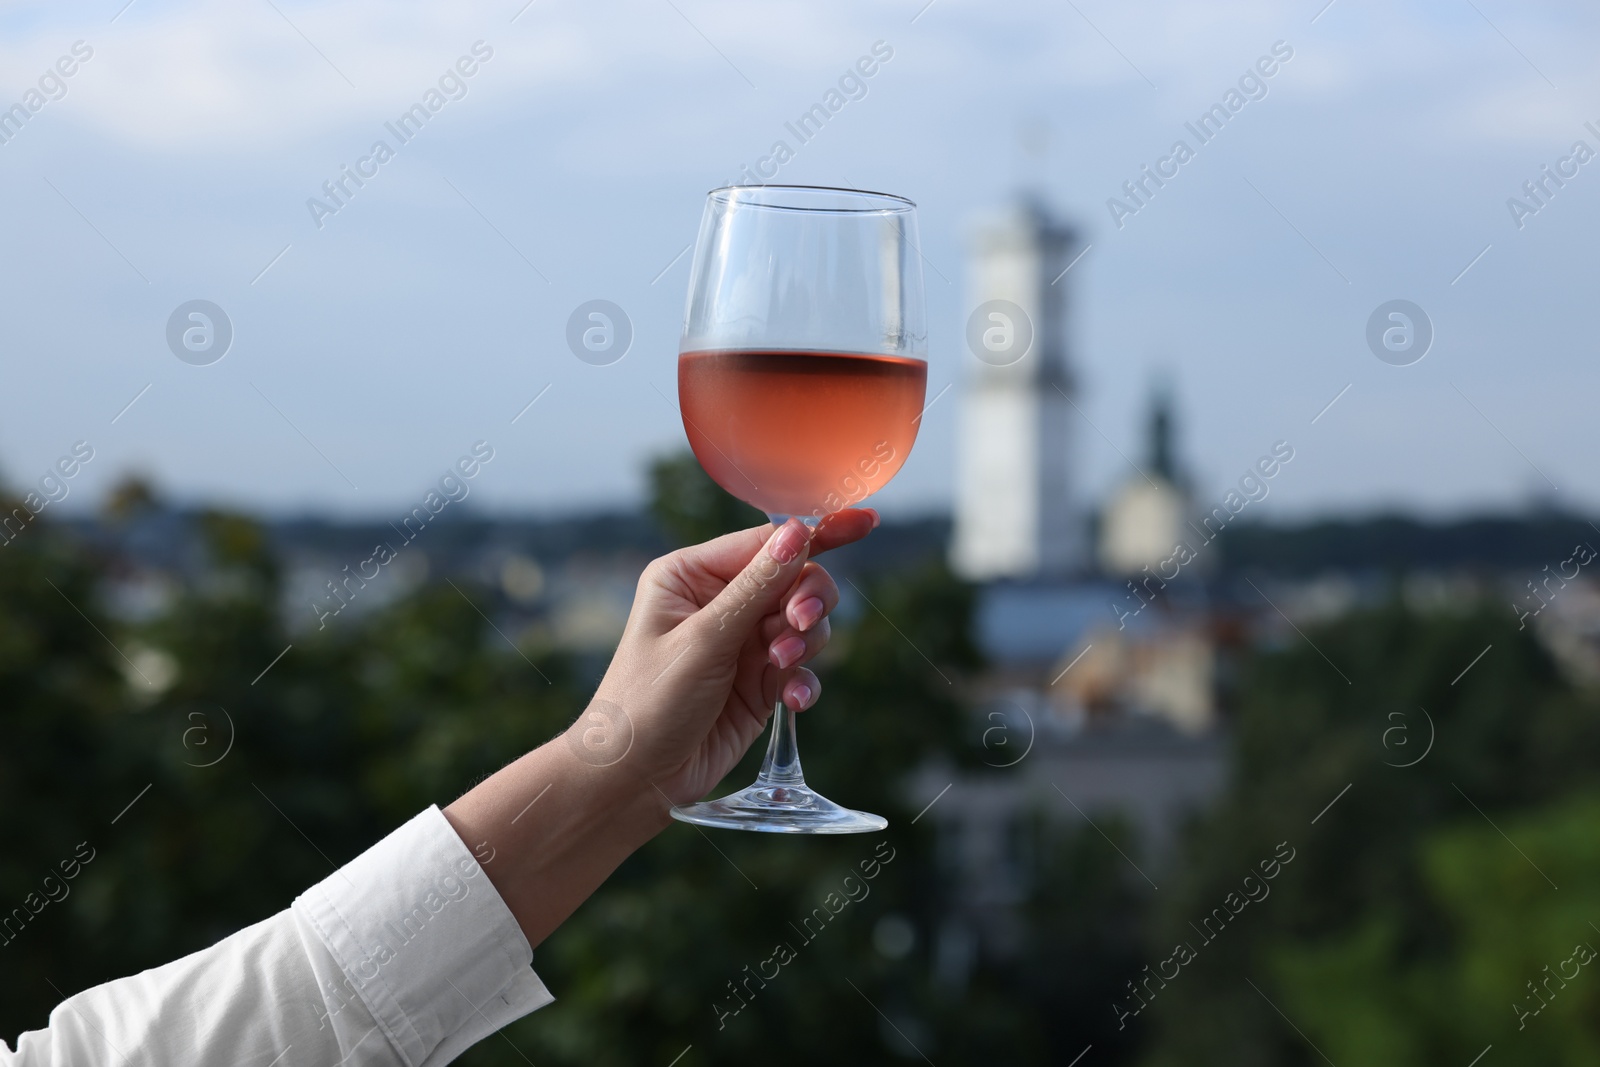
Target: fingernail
x,y
876,519
788,541
802,696
807,612
786,652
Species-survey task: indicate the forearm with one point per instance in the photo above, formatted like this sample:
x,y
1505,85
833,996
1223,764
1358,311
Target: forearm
x,y
549,828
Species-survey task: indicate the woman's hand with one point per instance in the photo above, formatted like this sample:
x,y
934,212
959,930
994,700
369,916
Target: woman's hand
x,y
718,633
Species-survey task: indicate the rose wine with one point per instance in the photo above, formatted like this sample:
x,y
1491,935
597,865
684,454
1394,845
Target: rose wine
x,y
800,433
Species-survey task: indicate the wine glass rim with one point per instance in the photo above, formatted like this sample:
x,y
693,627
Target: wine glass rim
x,y
889,203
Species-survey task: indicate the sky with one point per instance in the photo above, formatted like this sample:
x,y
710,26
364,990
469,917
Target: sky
x,y
373,345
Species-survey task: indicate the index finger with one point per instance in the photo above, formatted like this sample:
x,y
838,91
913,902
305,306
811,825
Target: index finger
x,y
724,557
841,528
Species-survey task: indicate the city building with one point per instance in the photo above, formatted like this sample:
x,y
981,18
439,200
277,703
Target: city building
x,y
1018,513
1145,517
1098,703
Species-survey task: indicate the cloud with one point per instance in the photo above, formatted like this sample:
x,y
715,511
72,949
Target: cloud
x,y
253,75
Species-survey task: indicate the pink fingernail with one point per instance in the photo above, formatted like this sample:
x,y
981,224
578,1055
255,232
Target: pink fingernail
x,y
788,651
788,541
802,696
807,612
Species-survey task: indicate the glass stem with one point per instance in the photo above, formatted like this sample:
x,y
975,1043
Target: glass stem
x,y
781,767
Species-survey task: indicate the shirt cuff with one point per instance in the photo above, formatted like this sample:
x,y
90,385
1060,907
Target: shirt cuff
x,y
425,942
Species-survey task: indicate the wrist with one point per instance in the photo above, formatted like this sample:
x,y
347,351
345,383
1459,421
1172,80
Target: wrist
x,y
619,794
602,747
550,827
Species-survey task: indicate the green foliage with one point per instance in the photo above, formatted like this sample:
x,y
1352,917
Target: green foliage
x,y
1500,977
256,789
689,506
1356,942
1085,925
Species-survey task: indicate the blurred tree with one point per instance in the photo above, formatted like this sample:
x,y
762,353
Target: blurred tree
x,y
689,506
210,804
1360,904
1085,921
65,767
131,495
1506,973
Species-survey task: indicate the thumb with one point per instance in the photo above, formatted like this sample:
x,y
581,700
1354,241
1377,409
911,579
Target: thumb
x,y
757,590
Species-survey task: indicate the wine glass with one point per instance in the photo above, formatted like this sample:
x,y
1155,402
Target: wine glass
x,y
801,378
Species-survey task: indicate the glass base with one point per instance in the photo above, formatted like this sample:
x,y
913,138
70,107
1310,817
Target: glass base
x,y
780,802
779,809
778,518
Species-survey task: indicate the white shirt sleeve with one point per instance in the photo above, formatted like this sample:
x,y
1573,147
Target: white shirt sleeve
x,y
404,956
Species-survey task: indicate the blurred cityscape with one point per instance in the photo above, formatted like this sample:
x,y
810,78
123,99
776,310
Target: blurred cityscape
x,y
1102,682
1103,663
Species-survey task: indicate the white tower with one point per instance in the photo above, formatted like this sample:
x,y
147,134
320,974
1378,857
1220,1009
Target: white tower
x,y
1015,512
